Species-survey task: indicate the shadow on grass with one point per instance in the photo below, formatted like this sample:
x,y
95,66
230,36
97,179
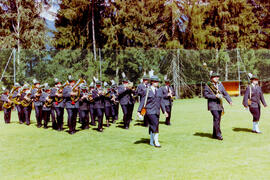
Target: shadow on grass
x,y
67,131
242,130
120,126
201,134
142,141
139,124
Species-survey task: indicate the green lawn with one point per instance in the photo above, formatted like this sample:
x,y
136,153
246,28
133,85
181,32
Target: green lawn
x,y
187,152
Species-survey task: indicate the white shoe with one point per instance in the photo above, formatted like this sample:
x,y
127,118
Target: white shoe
x,y
152,139
257,128
156,140
254,127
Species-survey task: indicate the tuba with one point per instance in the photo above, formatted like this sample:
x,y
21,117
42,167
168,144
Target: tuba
x,y
17,100
75,98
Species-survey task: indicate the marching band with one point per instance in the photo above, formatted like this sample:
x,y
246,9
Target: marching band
x,y
90,102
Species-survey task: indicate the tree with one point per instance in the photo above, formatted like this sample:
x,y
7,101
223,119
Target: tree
x,y
22,28
232,24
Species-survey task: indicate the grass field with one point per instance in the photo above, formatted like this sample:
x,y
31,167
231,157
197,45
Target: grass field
x,y
188,151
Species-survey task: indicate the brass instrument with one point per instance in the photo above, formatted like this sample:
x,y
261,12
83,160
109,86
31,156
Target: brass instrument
x,y
90,97
60,91
39,91
17,100
77,90
25,102
8,105
49,101
114,99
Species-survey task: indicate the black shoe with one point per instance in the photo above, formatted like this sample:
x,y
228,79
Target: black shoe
x,y
168,124
45,127
27,124
71,132
93,124
39,125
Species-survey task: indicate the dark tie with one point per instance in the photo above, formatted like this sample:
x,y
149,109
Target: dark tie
x,y
155,91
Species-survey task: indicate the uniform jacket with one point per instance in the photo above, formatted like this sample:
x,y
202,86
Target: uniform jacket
x,y
125,95
33,96
154,102
99,99
167,99
256,97
43,100
84,104
53,96
68,102
213,101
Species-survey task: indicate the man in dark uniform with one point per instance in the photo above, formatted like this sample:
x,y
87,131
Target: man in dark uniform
x,y
7,106
84,106
58,104
115,101
98,96
214,91
35,96
26,103
46,105
108,104
168,94
91,105
16,96
252,100
140,91
153,96
71,105
126,101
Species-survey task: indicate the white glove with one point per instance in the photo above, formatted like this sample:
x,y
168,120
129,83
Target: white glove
x,y
219,96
